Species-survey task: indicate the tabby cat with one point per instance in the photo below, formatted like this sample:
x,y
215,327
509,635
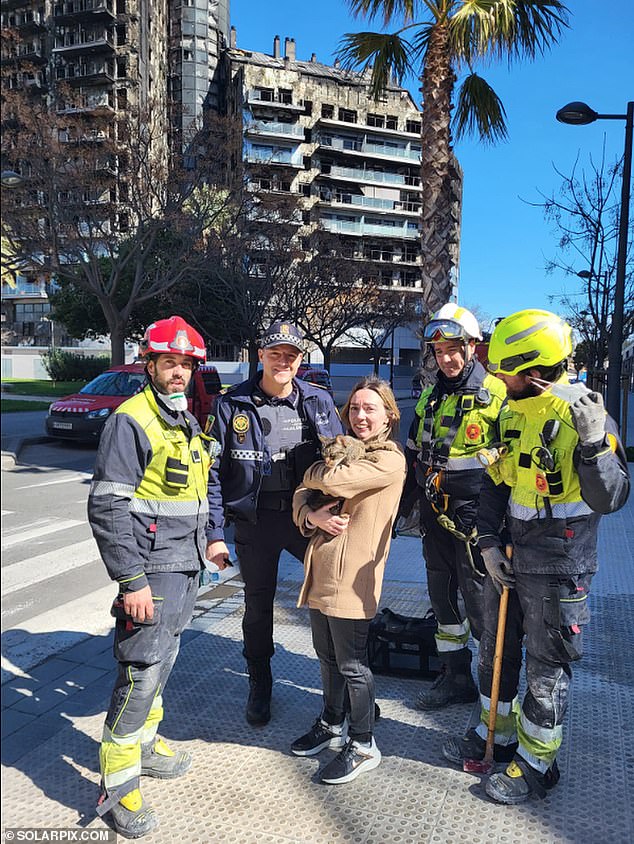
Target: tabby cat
x,y
334,452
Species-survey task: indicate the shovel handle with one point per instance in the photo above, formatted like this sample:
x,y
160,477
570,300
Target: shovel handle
x,y
497,668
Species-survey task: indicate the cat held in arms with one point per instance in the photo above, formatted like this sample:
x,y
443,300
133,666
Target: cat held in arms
x,y
337,451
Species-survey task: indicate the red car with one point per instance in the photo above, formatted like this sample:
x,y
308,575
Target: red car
x,y
82,415
314,375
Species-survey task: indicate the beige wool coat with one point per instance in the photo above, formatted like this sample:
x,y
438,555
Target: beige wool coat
x,y
343,575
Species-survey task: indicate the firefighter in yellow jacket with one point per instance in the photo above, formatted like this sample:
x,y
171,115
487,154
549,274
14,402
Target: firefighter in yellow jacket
x,y
560,466
454,419
148,512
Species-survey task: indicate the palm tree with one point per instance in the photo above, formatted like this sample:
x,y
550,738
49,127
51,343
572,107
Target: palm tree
x,y
449,37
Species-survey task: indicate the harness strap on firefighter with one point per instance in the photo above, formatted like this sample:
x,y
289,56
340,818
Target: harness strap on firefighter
x,y
432,453
469,539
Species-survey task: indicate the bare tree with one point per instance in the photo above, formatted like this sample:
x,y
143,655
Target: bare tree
x,y
250,275
384,312
95,187
585,215
330,293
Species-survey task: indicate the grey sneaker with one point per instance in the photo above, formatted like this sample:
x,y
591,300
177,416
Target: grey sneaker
x,y
320,736
354,759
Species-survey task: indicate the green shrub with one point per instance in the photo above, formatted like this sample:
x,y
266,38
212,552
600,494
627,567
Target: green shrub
x,y
67,366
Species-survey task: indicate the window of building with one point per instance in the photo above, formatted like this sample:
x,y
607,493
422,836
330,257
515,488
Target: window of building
x,y
308,162
266,95
308,107
286,96
391,122
347,115
305,217
327,111
376,120
305,190
413,126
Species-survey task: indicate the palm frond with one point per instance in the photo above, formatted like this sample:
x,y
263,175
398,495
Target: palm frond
x,y
420,42
387,55
387,10
479,111
508,29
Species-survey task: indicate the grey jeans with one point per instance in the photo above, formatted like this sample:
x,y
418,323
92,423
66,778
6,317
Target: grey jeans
x,y
342,647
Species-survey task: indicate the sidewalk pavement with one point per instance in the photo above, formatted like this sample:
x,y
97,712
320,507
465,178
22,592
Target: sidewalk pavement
x,y
245,786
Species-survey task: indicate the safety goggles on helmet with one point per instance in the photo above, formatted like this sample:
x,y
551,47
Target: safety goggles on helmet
x,y
443,329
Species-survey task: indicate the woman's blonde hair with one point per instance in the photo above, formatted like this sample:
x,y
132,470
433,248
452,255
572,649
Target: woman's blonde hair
x,y
384,392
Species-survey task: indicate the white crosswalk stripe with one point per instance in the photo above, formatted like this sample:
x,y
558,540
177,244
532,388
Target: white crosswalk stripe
x,y
34,570
17,536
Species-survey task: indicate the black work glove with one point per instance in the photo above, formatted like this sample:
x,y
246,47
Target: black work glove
x,y
499,568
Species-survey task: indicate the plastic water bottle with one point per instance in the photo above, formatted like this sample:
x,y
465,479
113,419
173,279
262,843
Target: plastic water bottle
x,y
208,578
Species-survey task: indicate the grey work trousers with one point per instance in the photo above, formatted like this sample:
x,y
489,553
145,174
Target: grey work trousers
x,y
342,647
147,652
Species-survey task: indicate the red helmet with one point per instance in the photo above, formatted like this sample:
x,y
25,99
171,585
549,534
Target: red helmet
x,y
172,335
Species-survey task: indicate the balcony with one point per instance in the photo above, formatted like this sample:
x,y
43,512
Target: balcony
x,y
101,104
25,290
93,74
394,205
82,42
278,130
380,177
266,99
84,10
369,229
27,20
358,147
31,53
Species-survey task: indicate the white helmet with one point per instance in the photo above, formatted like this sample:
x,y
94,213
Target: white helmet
x,y
452,322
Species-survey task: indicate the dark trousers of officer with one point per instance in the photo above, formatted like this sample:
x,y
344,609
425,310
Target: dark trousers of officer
x,y
548,614
342,647
146,652
258,547
449,570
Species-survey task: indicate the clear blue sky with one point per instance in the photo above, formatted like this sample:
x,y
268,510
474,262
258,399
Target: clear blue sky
x,y
505,243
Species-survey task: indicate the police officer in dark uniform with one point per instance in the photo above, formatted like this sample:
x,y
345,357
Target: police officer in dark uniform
x,y
267,434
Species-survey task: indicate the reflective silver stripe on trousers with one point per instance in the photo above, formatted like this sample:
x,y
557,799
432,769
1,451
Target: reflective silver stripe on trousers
x,y
151,507
111,488
565,510
243,454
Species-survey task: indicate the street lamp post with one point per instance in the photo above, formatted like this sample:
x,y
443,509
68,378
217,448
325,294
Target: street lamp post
x,y
580,114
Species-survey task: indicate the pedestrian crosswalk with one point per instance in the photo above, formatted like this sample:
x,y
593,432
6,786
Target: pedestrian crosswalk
x,y
40,529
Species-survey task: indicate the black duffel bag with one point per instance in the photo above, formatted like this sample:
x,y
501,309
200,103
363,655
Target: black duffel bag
x,y
403,645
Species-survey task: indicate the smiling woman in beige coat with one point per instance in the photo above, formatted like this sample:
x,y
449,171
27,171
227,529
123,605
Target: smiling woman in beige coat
x,y
344,567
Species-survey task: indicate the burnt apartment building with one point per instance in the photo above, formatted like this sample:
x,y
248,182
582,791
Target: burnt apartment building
x,y
97,61
354,161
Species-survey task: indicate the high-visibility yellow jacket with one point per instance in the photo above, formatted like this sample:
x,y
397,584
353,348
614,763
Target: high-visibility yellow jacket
x,y
148,500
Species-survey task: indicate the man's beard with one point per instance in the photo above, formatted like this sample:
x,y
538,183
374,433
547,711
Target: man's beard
x,y
529,391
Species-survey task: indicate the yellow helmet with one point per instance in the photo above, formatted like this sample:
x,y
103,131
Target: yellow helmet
x,y
528,339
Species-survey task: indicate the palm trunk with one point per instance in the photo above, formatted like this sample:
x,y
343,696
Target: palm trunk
x,y
440,177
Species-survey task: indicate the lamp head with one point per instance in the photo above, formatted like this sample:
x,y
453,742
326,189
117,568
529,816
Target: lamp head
x,y
576,114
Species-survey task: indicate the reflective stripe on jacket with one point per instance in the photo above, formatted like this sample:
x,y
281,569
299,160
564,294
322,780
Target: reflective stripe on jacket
x,y
552,508
148,500
243,456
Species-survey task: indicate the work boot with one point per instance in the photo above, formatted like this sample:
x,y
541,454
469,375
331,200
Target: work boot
x,y
453,685
519,781
470,746
130,816
260,686
157,760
